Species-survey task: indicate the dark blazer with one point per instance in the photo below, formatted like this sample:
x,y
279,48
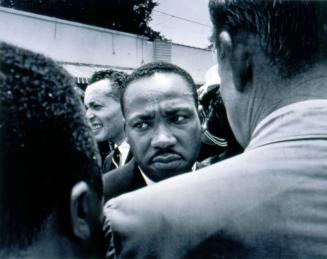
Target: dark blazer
x,y
108,165
123,179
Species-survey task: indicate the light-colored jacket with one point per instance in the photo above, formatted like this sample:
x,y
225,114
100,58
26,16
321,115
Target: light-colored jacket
x,y
269,202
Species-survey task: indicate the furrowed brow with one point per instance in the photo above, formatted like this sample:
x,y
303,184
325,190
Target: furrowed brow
x,y
141,116
170,110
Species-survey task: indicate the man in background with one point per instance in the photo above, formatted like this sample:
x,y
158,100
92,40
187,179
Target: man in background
x,y
269,201
218,140
103,112
160,108
50,180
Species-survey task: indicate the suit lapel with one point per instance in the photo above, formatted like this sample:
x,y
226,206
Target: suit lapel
x,y
129,156
138,180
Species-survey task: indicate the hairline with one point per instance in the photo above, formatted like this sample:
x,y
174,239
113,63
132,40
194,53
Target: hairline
x,y
151,74
109,88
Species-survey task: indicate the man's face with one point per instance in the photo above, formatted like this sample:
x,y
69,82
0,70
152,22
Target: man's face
x,y
162,125
103,112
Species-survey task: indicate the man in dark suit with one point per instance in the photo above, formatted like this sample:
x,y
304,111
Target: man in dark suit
x,y
160,107
270,200
50,176
101,100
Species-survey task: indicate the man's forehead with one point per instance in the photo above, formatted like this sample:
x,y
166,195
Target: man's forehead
x,y
98,89
159,84
163,106
161,88
163,77
103,85
153,97
163,95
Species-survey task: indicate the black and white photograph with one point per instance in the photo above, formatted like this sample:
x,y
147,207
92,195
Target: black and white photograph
x,y
169,129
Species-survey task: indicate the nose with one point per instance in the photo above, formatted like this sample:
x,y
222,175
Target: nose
x,y
163,138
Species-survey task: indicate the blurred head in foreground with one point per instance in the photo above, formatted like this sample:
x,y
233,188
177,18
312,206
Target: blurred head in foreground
x,y
50,181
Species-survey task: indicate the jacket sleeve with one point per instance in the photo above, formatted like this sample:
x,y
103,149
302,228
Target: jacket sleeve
x,y
110,249
227,210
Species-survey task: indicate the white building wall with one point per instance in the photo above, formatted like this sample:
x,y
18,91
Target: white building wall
x,y
71,42
194,60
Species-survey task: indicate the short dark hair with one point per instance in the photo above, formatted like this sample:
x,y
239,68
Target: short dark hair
x,y
46,146
150,69
116,78
292,33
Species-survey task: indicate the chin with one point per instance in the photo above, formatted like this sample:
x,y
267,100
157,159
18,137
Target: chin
x,y
163,175
100,138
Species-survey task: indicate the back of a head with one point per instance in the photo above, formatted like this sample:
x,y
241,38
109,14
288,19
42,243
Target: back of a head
x,y
292,33
151,68
46,146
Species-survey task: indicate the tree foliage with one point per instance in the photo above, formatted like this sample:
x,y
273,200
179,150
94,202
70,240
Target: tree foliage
x,y
124,15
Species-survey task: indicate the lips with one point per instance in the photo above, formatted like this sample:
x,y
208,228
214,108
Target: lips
x,y
166,161
165,158
96,126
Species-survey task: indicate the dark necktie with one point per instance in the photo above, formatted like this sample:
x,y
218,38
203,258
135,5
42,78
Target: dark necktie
x,y
116,157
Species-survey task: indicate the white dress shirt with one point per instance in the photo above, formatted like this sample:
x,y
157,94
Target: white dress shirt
x,y
124,151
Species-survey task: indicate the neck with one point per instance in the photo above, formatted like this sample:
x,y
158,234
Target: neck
x,y
48,243
271,94
308,85
120,140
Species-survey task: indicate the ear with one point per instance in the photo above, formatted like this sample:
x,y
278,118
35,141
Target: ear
x,y
240,56
225,46
124,128
79,209
242,65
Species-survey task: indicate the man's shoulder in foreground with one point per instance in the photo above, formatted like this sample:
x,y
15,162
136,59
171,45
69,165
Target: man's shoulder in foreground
x,y
256,204
137,215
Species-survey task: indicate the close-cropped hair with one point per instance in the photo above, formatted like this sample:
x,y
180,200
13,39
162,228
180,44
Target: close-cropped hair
x,y
150,69
46,146
116,78
291,33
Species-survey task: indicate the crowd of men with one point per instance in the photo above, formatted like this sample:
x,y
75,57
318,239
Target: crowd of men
x,y
149,196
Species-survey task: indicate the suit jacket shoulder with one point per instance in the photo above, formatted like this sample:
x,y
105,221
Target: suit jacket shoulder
x,y
121,180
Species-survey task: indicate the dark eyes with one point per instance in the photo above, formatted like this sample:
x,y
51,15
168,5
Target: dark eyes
x,y
173,120
94,107
141,125
178,119
97,106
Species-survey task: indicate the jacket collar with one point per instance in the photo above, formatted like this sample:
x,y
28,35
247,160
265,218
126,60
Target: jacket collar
x,y
301,120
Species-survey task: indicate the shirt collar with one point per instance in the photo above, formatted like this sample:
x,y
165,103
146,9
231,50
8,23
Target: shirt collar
x,y
123,150
123,147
